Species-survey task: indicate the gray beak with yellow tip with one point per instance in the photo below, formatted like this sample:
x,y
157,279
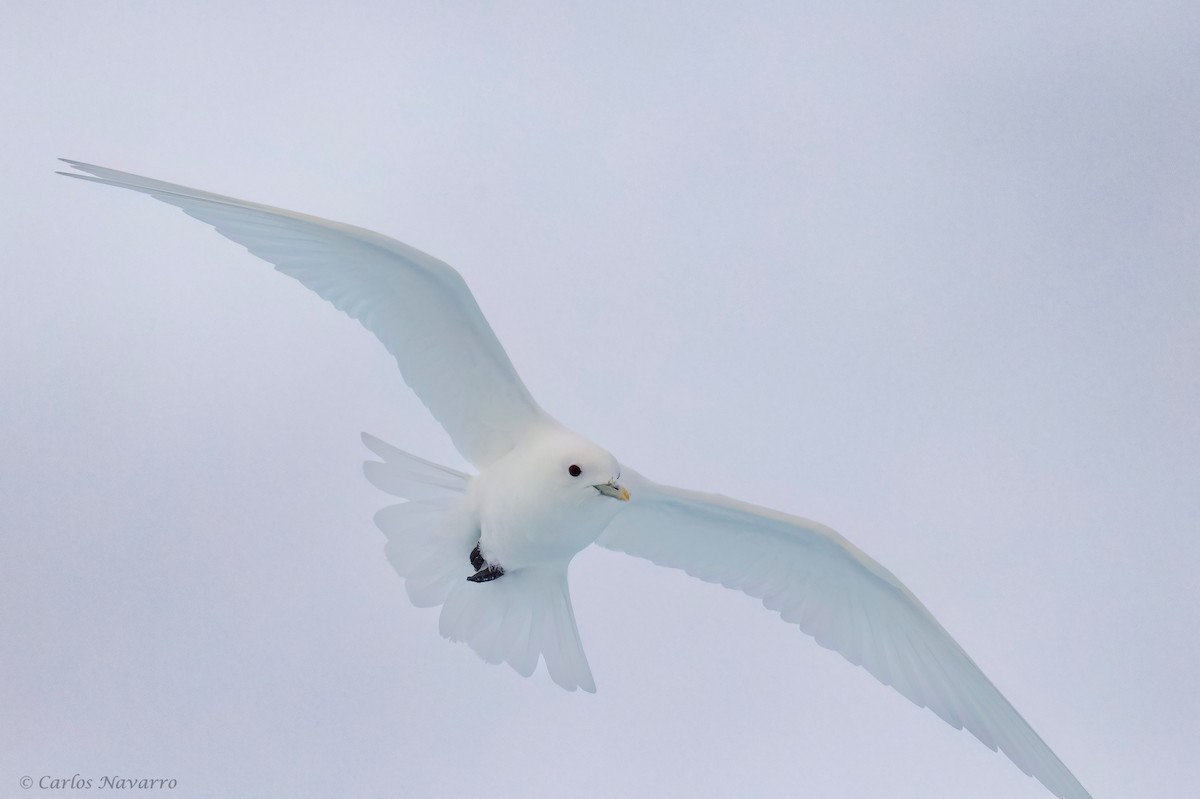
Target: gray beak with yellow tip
x,y
613,489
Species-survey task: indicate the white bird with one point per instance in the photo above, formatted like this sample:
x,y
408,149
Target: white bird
x,y
493,548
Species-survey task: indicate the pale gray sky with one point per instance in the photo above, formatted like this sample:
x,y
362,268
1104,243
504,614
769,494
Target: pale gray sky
x,y
927,276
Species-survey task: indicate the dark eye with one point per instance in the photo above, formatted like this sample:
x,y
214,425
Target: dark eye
x,y
574,470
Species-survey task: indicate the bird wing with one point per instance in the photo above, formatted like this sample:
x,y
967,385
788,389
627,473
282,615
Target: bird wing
x,y
419,307
816,579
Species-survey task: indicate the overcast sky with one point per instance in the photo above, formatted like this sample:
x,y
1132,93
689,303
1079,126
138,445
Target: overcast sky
x,y
927,276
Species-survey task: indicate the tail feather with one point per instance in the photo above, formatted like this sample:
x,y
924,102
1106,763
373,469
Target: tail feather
x,y
524,614
522,617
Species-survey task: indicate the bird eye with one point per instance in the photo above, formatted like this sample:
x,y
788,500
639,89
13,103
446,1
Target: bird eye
x,y
574,470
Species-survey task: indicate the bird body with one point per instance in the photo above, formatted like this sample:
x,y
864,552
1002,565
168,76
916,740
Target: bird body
x,y
506,515
493,549
532,510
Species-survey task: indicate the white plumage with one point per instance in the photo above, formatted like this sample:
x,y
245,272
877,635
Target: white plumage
x,y
543,493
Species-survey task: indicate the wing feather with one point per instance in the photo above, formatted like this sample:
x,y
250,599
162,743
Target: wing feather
x,y
417,306
818,580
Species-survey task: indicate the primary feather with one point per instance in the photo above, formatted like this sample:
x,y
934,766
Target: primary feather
x,y
819,581
419,307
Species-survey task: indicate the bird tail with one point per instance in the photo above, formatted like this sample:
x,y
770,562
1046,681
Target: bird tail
x,y
518,618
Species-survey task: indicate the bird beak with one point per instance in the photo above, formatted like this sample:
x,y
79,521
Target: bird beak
x,y
613,489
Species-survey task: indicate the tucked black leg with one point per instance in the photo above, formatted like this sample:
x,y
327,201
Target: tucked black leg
x,y
486,575
484,571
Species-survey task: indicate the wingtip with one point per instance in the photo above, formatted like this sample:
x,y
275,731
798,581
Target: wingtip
x,y
386,452
379,448
69,162
584,683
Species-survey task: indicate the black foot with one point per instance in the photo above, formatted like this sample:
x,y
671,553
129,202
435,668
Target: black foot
x,y
484,571
486,575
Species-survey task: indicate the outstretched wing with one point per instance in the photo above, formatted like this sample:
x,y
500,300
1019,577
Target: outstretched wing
x,y
821,582
420,308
